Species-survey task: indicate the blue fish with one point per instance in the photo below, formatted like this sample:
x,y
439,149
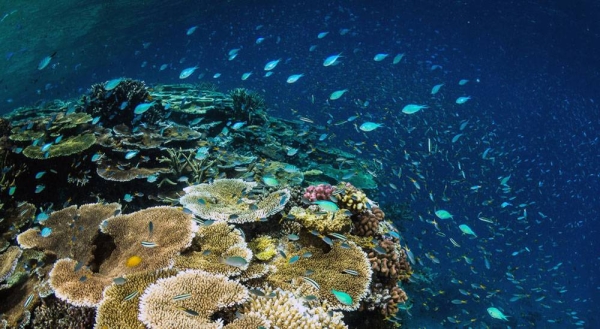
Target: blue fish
x,y
141,108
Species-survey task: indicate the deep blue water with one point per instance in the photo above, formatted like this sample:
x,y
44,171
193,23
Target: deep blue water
x,y
533,77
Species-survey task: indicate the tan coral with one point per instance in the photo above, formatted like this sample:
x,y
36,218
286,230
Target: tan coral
x,y
69,146
212,245
114,172
118,311
286,311
8,261
73,231
172,232
77,284
161,305
324,223
330,272
251,320
229,200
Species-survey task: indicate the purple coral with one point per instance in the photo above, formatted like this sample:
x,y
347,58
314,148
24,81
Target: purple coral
x,y
318,192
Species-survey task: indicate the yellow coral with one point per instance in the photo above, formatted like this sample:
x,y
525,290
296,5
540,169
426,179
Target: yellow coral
x,y
264,247
353,199
323,222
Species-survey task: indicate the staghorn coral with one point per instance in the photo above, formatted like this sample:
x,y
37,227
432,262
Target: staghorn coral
x,y
208,293
115,311
8,262
367,223
323,222
286,311
391,266
330,272
229,200
213,244
73,231
68,146
172,232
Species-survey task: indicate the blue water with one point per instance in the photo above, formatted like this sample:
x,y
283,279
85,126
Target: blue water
x,y
532,71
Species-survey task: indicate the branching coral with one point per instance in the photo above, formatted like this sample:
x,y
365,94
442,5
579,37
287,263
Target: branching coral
x,y
286,311
230,200
318,192
188,299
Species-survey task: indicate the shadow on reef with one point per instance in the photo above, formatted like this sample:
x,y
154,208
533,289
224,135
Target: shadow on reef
x,y
139,206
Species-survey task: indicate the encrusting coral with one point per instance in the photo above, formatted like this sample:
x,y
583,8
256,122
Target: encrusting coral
x,y
230,200
188,299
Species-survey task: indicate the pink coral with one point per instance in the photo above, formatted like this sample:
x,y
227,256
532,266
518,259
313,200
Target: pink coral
x,y
318,192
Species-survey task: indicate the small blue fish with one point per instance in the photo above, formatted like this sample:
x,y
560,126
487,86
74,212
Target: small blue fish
x,y
46,147
128,198
96,157
191,30
370,126
41,217
131,154
40,174
141,108
39,188
152,178
187,72
238,125
331,60
293,259
58,139
45,232
95,120
123,105
112,84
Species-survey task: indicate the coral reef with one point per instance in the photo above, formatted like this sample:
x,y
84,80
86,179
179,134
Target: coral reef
x,y
367,223
318,192
344,268
230,200
188,299
286,311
